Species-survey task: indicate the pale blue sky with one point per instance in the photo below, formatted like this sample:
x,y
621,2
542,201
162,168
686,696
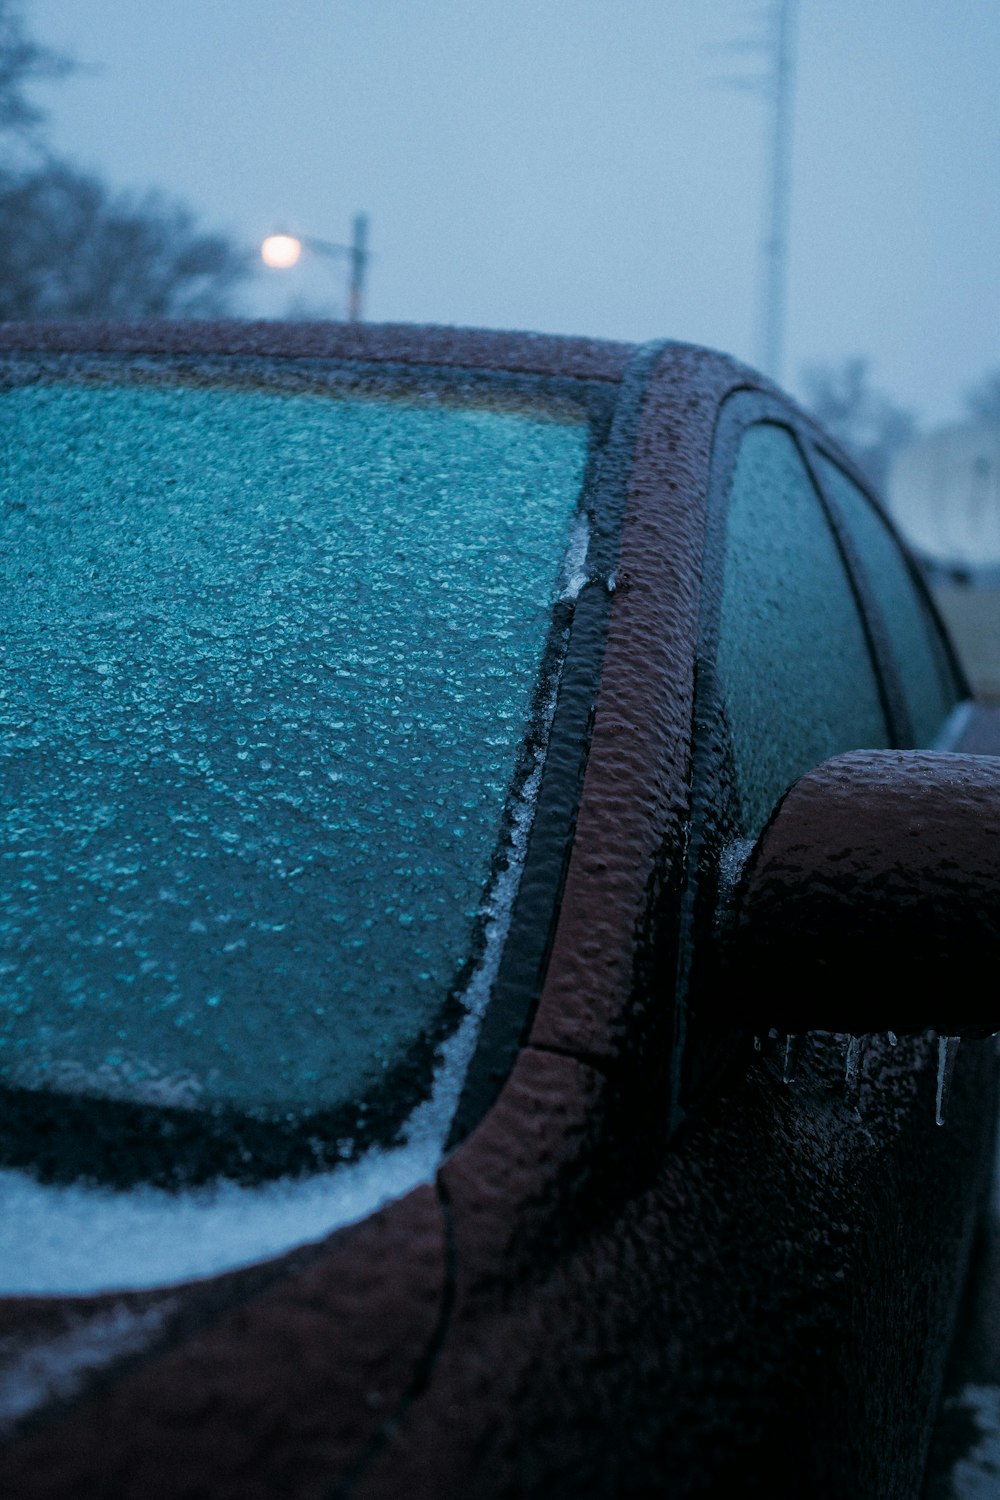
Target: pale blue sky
x,y
568,165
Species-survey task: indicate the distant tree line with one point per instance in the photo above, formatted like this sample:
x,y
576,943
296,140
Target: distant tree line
x,y
982,401
71,247
867,423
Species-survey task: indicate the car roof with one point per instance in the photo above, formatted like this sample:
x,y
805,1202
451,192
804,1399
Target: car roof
x,y
468,348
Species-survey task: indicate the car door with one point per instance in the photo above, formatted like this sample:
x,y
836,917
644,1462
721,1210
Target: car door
x,y
816,637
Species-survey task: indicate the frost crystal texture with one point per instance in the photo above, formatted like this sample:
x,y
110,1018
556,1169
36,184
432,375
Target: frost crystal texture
x,y
270,660
793,660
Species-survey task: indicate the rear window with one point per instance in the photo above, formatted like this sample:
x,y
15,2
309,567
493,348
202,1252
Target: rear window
x,y
276,666
926,677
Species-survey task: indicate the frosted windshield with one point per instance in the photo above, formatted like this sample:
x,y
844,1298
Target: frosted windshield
x,y
269,664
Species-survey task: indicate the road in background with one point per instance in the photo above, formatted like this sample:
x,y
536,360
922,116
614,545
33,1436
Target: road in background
x,y
973,617
965,1453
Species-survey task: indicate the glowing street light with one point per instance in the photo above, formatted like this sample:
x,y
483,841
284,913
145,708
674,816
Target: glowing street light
x,y
282,251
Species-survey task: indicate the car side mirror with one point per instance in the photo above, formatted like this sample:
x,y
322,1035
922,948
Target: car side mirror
x,y
871,901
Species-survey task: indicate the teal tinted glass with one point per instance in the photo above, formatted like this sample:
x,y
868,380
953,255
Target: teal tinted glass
x,y
793,661
925,674
270,661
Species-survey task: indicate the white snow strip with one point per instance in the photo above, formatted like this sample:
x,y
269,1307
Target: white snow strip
x,y
55,1369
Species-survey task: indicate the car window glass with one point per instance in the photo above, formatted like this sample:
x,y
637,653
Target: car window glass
x,y
271,660
927,680
795,672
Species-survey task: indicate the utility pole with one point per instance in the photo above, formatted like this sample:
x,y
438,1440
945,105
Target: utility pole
x,y
775,248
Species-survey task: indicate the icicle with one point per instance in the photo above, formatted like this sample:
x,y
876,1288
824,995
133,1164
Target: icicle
x,y
893,1038
792,1044
942,1069
852,1071
946,1061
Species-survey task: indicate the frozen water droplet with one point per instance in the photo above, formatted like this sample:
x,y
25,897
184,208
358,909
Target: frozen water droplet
x,y
893,1038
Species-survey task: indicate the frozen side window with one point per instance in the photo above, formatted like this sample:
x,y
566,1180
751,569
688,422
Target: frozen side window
x,y
926,678
794,667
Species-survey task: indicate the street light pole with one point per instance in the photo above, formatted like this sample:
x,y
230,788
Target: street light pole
x,y
282,251
359,266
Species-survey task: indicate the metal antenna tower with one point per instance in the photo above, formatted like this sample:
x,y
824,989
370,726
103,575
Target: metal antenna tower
x,y
774,85
774,265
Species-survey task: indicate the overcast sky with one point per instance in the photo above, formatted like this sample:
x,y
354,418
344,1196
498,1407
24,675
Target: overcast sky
x,y
570,165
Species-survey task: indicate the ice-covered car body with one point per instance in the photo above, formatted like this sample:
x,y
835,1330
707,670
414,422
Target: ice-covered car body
x,y
617,1252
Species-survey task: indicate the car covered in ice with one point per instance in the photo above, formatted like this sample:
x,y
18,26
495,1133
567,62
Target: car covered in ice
x,y
496,844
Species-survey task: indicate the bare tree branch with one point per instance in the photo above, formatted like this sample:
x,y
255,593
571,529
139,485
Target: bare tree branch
x,y
982,401
22,63
69,246
69,249
865,421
